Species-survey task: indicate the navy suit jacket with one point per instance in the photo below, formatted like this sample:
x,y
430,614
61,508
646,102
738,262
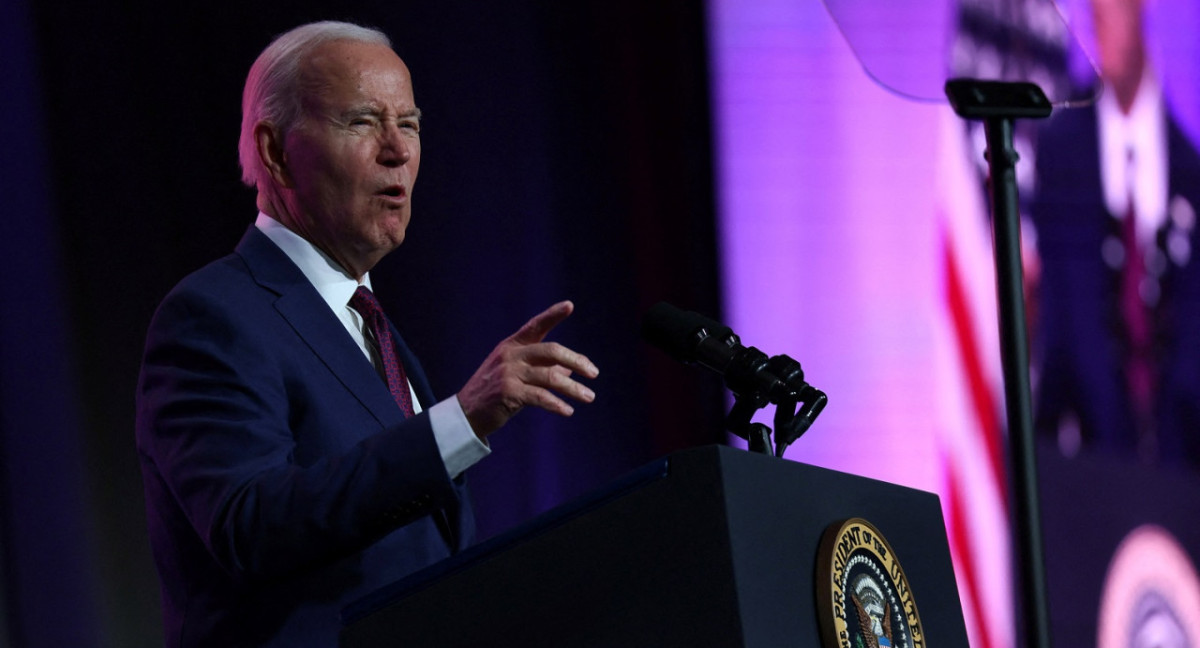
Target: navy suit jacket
x,y
1080,337
282,481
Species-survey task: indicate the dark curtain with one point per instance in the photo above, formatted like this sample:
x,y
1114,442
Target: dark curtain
x,y
566,154
47,571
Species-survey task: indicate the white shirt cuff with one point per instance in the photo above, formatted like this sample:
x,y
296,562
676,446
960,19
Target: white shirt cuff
x,y
456,441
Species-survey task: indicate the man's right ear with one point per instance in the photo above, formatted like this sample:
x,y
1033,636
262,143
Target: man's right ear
x,y
268,142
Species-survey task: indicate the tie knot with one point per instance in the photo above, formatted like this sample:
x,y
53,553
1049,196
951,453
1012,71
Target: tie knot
x,y
365,303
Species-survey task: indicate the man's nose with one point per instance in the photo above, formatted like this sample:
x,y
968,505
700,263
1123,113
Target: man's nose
x,y
395,146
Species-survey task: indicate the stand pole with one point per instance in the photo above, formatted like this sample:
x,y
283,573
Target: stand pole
x,y
999,104
1014,353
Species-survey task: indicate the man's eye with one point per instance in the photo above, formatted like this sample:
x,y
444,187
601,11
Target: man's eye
x,y
364,120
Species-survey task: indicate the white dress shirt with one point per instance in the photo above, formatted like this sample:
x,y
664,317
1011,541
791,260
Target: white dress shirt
x,y
1133,156
459,446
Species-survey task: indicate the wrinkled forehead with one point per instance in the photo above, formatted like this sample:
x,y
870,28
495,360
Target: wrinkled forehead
x,y
346,69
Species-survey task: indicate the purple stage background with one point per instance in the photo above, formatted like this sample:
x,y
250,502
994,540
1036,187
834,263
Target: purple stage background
x,y
841,208
828,193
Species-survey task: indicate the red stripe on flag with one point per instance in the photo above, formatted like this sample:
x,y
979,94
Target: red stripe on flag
x,y
982,403
960,542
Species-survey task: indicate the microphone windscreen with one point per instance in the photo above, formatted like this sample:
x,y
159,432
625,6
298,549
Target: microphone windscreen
x,y
679,332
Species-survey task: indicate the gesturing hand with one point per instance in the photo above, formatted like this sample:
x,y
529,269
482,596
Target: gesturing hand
x,y
523,370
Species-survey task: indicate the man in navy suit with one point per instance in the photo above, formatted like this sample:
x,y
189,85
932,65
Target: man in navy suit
x,y
293,456
1119,290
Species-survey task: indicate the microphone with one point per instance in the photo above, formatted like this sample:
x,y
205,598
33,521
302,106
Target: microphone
x,y
692,338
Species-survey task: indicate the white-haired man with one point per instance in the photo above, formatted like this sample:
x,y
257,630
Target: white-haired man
x,y
1118,185
293,455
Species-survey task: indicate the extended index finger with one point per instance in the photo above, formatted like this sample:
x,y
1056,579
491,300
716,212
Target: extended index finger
x,y
536,329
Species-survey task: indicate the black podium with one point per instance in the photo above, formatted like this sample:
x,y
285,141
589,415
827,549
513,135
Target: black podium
x,y
708,547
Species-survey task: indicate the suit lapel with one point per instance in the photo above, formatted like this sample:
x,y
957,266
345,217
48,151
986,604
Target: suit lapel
x,y
309,316
302,307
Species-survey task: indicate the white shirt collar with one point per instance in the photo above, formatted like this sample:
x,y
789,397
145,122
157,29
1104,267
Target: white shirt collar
x,y
334,284
1143,132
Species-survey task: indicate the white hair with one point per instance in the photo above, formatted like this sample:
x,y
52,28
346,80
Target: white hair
x,y
272,92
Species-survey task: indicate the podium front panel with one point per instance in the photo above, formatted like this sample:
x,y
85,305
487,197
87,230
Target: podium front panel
x,y
711,547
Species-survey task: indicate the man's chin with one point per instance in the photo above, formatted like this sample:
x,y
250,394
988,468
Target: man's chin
x,y
394,234
390,236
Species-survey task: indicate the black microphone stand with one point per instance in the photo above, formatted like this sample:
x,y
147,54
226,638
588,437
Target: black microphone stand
x,y
999,104
790,422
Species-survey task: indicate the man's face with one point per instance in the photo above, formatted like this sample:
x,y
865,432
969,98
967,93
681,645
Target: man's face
x,y
1118,26
351,160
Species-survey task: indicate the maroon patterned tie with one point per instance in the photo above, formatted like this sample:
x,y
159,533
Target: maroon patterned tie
x,y
365,303
1139,368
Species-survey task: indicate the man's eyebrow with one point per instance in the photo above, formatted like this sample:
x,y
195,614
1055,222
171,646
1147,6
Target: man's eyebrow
x,y
374,111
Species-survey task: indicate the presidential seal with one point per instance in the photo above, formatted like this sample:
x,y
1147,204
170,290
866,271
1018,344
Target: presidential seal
x,y
1151,594
863,597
